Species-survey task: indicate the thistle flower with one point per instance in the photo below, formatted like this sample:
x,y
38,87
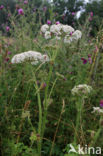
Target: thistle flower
x,y
9,52
84,60
81,89
73,13
91,13
1,7
57,22
21,11
101,103
7,28
25,2
32,56
48,22
44,8
7,59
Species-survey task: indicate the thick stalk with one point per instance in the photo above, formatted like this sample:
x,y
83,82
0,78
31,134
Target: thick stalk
x,y
79,117
40,116
46,101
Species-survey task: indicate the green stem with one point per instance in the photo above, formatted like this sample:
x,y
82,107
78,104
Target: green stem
x,y
96,137
46,101
40,116
79,117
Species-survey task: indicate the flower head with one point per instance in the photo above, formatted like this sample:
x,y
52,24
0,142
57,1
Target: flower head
x,y
67,29
101,103
48,22
84,60
21,11
44,28
91,13
44,8
32,56
1,7
7,28
73,13
9,52
47,35
25,2
81,89
57,22
97,110
7,59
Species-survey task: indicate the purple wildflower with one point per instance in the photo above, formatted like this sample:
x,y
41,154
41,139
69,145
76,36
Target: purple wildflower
x,y
71,33
84,60
91,14
43,85
44,8
7,59
101,103
73,13
9,52
21,11
7,28
25,2
57,22
1,7
96,49
48,22
90,60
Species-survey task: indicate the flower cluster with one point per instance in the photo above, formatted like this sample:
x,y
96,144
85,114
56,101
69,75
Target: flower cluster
x,y
32,56
97,110
59,30
81,89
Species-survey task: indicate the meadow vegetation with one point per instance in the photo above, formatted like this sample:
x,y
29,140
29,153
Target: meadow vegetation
x,y
51,86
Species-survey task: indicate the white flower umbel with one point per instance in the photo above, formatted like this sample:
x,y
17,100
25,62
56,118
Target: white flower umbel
x,y
47,35
67,29
31,56
44,28
68,39
77,35
97,110
81,89
56,29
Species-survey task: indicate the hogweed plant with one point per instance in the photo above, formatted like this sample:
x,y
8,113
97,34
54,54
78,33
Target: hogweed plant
x,y
80,92
36,58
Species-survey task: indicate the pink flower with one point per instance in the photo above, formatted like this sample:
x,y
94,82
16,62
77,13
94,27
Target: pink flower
x,y
96,49
57,22
9,52
9,15
90,60
71,33
1,7
25,2
84,60
44,8
91,14
73,13
7,28
101,103
48,22
7,59
21,11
